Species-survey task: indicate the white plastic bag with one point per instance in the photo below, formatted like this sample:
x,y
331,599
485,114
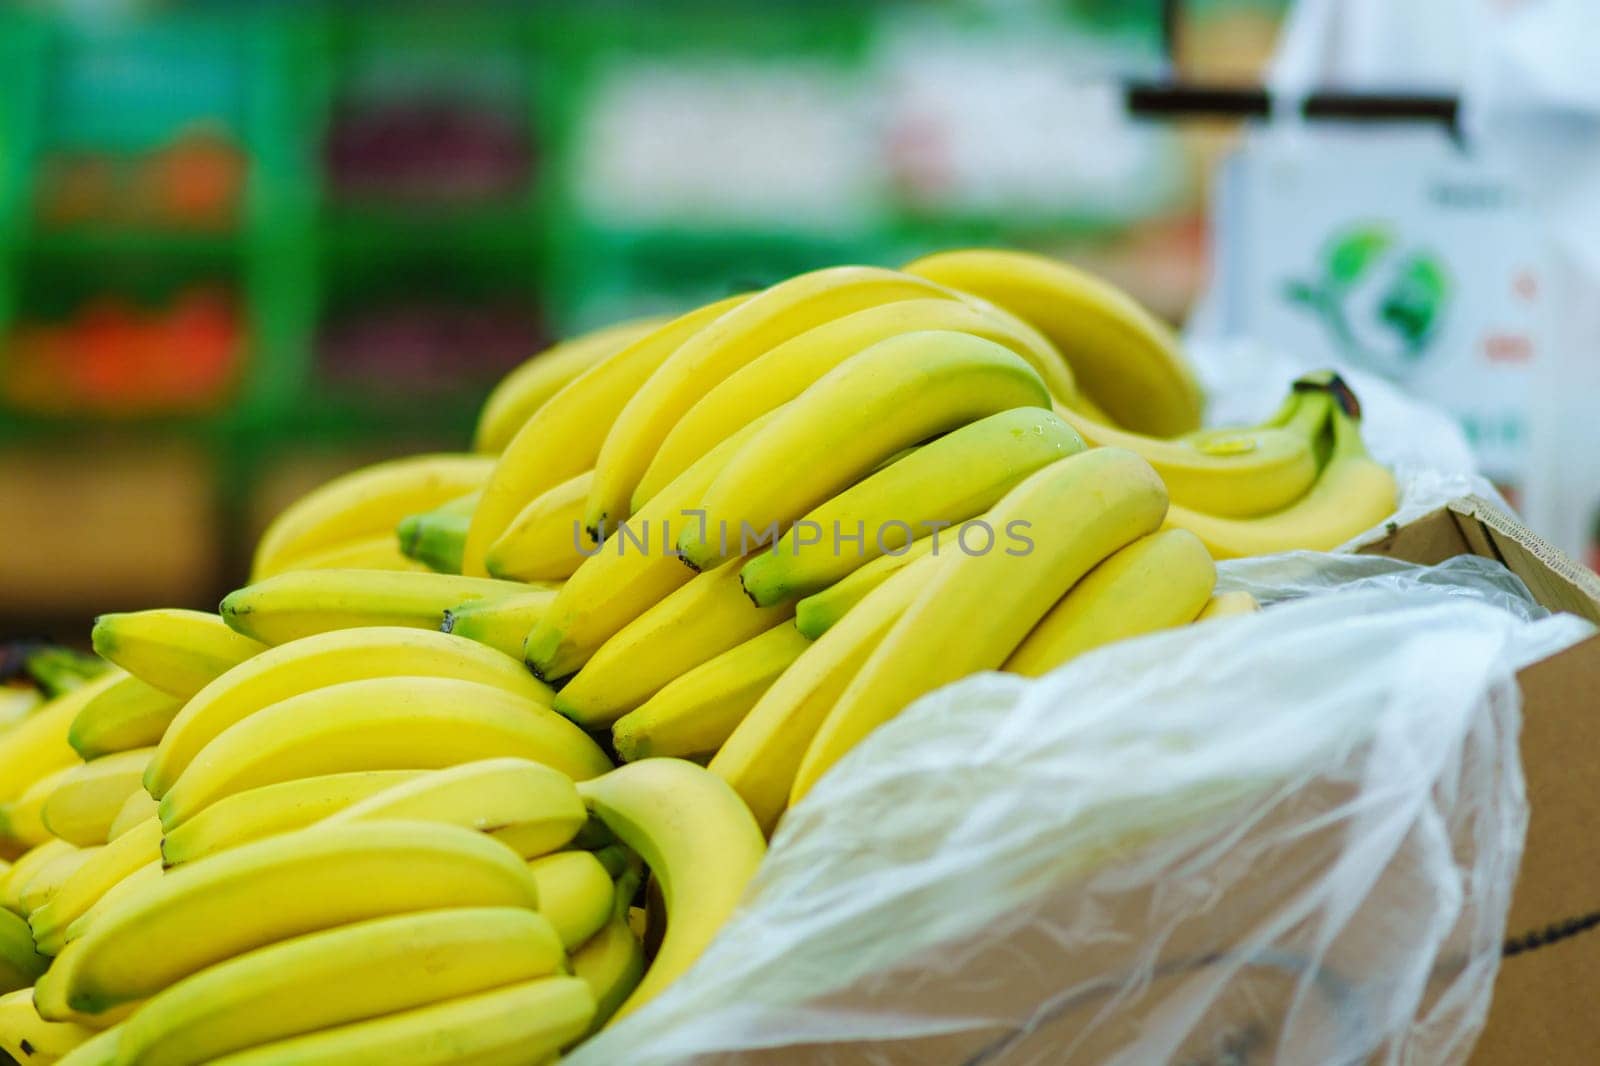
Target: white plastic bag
x,y
1284,837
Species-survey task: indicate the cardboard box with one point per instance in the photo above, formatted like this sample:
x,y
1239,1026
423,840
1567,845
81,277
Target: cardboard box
x,y
1541,1011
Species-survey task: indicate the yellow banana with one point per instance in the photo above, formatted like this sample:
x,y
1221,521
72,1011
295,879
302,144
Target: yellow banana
x,y
700,843
20,962
272,809
436,538
1227,605
817,613
941,484
114,896
521,1023
763,754
575,893
532,385
367,970
545,541
384,723
17,701
38,746
22,820
302,603
611,964
695,713
28,864
892,395
500,624
129,714
1157,582
767,319
316,662
136,808
379,552
87,800
784,372
1074,513
110,865
701,620
1124,359
101,1049
512,799
562,439
269,891
28,1038
176,651
635,569
42,887
366,503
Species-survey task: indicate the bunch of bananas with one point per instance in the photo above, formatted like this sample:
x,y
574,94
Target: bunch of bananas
x,y
369,812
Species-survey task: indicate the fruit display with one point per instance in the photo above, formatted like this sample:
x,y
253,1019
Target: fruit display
x,y
490,746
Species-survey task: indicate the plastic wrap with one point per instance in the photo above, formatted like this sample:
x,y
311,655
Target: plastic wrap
x,y
1285,837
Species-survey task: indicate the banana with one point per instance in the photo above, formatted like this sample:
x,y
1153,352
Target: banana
x,y
38,746
562,439
129,714
29,1039
1124,359
784,372
817,613
944,483
1080,509
532,385
1353,493
22,820
340,976
366,503
611,964
43,885
86,801
499,624
699,621
384,723
56,670
302,603
635,568
526,1023
20,962
512,799
176,651
109,866
1157,582
271,890
316,662
101,1049
892,395
763,754
17,701
545,541
695,713
272,809
436,538
377,551
1227,605
575,893
28,864
767,319
698,839
135,809
126,889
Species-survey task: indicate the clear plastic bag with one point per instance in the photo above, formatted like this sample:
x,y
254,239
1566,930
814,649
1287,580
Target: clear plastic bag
x,y
1285,837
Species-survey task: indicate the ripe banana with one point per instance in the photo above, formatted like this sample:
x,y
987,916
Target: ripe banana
x,y
316,662
1078,511
522,1023
763,754
698,622
695,713
22,820
28,864
302,603
176,651
1227,605
86,801
563,438
611,964
109,865
126,889
339,976
17,701
1124,359
38,746
379,551
436,538
1353,493
366,503
1157,582
779,375
135,809
101,1049
500,624
635,569
545,541
20,963
532,385
269,891
384,723
28,1038
767,319
700,843
129,714
43,885
272,809
575,893
512,799
817,613
941,484
892,395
